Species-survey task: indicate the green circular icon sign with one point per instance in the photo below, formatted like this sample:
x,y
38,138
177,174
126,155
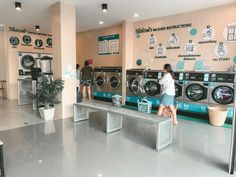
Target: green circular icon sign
x,y
26,39
38,43
14,40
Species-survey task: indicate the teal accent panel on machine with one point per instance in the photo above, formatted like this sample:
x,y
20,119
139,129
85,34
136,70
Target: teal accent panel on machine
x,y
132,99
197,108
103,94
155,101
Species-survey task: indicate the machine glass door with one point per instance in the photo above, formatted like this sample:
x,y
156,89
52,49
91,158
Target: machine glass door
x,y
100,81
114,82
134,85
223,94
152,88
196,92
27,62
178,90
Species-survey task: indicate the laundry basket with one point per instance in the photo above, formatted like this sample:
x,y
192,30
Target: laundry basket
x,y
117,100
217,115
144,105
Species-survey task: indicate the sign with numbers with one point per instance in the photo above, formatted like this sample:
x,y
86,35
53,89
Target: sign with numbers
x,y
108,45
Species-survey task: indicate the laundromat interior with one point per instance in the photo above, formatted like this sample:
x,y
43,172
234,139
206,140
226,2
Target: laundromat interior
x,y
83,88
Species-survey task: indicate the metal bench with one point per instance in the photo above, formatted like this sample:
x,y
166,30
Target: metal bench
x,y
114,117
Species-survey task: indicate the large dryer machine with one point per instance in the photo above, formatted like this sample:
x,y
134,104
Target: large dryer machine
x,y
151,87
134,86
100,89
114,79
196,92
222,89
26,62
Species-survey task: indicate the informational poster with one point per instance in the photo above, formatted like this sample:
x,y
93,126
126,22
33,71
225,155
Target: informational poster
x,y
230,32
221,50
108,45
190,47
160,51
208,33
152,41
173,42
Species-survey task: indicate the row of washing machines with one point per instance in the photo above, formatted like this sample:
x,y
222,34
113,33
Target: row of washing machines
x,y
195,91
107,82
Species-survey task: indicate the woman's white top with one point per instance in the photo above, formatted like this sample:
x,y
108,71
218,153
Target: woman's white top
x,y
168,84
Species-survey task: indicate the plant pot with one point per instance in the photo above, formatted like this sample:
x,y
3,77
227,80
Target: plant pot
x,y
46,114
217,115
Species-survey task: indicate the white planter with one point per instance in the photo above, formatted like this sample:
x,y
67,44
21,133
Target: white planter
x,y
47,114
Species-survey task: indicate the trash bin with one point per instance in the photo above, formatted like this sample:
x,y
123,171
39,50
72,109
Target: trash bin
x,y
217,115
117,100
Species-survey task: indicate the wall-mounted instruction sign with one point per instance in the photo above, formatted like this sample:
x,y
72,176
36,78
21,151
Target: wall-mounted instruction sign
x,y
108,45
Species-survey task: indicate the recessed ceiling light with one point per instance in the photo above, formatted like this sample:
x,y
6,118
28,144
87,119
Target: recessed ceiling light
x,y
18,6
104,7
37,28
136,15
101,22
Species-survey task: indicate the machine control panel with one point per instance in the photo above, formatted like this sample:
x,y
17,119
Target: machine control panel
x,y
134,72
179,76
226,78
196,77
152,75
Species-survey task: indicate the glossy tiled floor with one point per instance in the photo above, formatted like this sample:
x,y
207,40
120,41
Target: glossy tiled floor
x,y
14,116
62,149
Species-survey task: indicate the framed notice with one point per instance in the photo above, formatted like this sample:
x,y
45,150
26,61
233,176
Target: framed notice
x,y
108,45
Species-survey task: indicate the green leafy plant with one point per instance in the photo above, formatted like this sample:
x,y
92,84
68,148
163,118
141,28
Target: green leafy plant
x,y
47,92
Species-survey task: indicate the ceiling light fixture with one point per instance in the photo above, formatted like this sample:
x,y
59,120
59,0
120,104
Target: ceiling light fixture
x,y
101,22
104,7
37,28
136,15
18,6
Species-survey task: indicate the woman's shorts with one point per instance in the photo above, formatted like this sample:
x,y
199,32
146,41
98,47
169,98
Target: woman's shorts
x,y
167,100
86,83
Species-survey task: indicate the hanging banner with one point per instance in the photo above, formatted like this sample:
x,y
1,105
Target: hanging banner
x,y
108,45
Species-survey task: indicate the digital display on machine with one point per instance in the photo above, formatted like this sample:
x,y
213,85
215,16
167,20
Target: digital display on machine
x,y
134,72
229,78
151,75
194,76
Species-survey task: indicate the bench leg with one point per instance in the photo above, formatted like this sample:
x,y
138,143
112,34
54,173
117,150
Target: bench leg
x,y
164,134
80,113
2,172
114,122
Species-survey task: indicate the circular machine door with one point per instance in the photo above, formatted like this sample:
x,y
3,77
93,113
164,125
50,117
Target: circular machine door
x,y
223,94
196,92
134,85
178,90
152,88
27,62
114,82
100,81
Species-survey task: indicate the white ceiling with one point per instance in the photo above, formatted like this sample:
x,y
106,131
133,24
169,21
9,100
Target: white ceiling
x,y
37,12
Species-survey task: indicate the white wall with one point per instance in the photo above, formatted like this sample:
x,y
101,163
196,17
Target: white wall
x,y
2,56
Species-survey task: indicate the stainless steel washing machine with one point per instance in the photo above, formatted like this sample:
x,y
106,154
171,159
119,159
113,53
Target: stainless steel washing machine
x,y
26,62
134,86
222,89
196,87
179,86
151,87
114,80
100,80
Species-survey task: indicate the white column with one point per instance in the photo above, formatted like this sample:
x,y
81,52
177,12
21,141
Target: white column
x,y
64,54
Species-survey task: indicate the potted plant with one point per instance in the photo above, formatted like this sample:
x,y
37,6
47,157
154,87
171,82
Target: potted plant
x,y
46,95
